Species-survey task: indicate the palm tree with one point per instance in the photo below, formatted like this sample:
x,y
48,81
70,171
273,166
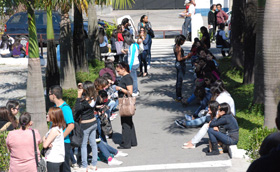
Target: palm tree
x,y
271,53
259,63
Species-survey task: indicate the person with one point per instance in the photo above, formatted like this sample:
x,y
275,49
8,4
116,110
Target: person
x,y
125,87
144,22
126,44
188,16
270,161
109,68
7,121
5,45
127,26
180,64
18,48
120,29
55,96
221,39
226,120
212,21
53,141
21,146
13,108
84,108
205,37
146,40
221,15
212,110
103,41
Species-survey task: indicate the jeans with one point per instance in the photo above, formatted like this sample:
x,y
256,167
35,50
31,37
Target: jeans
x,y
99,130
66,166
125,58
181,69
106,149
149,54
196,122
192,98
133,74
185,27
54,167
201,133
72,158
203,103
143,60
214,136
6,55
112,105
128,133
89,135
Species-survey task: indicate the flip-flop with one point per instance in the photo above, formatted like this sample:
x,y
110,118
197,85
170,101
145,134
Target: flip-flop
x,y
185,147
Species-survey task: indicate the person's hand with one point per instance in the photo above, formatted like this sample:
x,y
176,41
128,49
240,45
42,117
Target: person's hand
x,y
216,128
80,90
50,146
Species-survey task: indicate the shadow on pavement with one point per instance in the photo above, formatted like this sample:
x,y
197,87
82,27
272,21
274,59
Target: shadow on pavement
x,y
117,138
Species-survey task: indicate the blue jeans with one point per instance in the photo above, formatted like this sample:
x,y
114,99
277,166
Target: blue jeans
x,y
149,54
192,98
185,27
214,136
203,103
133,74
101,134
196,122
89,135
112,105
6,55
181,70
106,149
143,60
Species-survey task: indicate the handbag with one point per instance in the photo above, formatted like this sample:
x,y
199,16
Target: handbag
x,y
151,33
127,106
119,47
41,166
76,136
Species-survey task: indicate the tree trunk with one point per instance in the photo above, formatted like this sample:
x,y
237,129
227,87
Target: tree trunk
x,y
35,101
259,62
250,41
81,62
67,72
237,24
93,45
271,61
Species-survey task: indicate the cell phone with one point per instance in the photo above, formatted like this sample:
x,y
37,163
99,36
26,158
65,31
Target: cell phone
x,y
80,86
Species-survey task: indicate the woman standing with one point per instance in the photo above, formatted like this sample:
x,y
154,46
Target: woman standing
x,y
103,40
84,111
125,87
180,64
21,146
53,141
146,40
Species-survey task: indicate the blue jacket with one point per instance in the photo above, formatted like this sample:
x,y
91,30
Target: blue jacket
x,y
147,42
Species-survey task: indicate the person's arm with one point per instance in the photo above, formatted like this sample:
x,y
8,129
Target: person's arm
x,y
68,117
225,16
68,129
47,141
146,41
126,91
106,40
179,57
217,122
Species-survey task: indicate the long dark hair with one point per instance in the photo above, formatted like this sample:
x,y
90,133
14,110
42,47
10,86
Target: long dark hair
x,y
128,38
225,107
5,41
213,105
24,120
179,39
142,18
12,104
5,115
89,90
119,28
124,66
101,35
217,88
17,43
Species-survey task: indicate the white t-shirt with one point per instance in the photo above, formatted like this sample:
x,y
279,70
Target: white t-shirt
x,y
191,10
56,153
225,97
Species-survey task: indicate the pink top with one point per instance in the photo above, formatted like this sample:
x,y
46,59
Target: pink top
x,y
21,146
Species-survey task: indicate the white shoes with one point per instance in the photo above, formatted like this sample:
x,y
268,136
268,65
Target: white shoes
x,y
114,161
148,67
135,94
121,154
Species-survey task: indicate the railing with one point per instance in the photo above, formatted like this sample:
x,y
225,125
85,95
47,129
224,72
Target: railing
x,y
164,32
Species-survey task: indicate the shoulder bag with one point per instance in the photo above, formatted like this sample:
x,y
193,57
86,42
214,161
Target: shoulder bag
x,y
41,166
119,47
127,106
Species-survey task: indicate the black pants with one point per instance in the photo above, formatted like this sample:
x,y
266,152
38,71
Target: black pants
x,y
66,164
181,70
128,133
54,167
104,50
143,60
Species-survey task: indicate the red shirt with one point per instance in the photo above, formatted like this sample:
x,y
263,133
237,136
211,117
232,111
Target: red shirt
x,y
120,37
187,7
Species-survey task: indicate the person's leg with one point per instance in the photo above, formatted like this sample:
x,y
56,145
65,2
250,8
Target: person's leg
x,y
126,58
110,148
196,122
200,134
133,134
92,142
111,105
54,167
179,81
144,58
66,166
141,62
72,158
133,74
216,135
84,152
126,139
149,54
103,148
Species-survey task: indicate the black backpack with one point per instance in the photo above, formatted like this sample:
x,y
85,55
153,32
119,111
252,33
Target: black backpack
x,y
76,136
106,125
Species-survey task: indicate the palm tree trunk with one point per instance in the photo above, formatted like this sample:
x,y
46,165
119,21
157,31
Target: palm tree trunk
x,y
250,41
35,101
52,71
67,72
93,46
259,61
81,62
271,61
237,33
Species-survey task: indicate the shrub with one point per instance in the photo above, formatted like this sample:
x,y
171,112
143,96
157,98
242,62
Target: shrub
x,y
255,140
70,96
4,153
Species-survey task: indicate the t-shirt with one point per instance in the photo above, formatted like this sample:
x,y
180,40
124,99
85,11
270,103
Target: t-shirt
x,y
191,10
120,37
68,118
125,81
133,51
16,50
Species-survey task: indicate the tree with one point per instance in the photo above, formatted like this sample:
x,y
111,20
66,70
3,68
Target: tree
x,y
249,41
259,63
271,53
237,33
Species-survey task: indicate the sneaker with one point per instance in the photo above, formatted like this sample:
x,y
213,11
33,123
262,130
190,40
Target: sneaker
x,y
188,117
121,154
98,140
149,66
113,116
75,166
135,94
91,167
180,123
114,161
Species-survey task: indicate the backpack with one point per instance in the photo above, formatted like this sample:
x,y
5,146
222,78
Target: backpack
x,y
106,125
76,136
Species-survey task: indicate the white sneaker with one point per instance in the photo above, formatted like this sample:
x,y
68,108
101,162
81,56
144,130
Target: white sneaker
x,y
91,167
98,140
121,154
135,94
114,161
148,67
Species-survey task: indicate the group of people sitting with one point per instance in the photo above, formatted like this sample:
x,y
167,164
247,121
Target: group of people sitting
x,y
94,109
216,113
10,47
